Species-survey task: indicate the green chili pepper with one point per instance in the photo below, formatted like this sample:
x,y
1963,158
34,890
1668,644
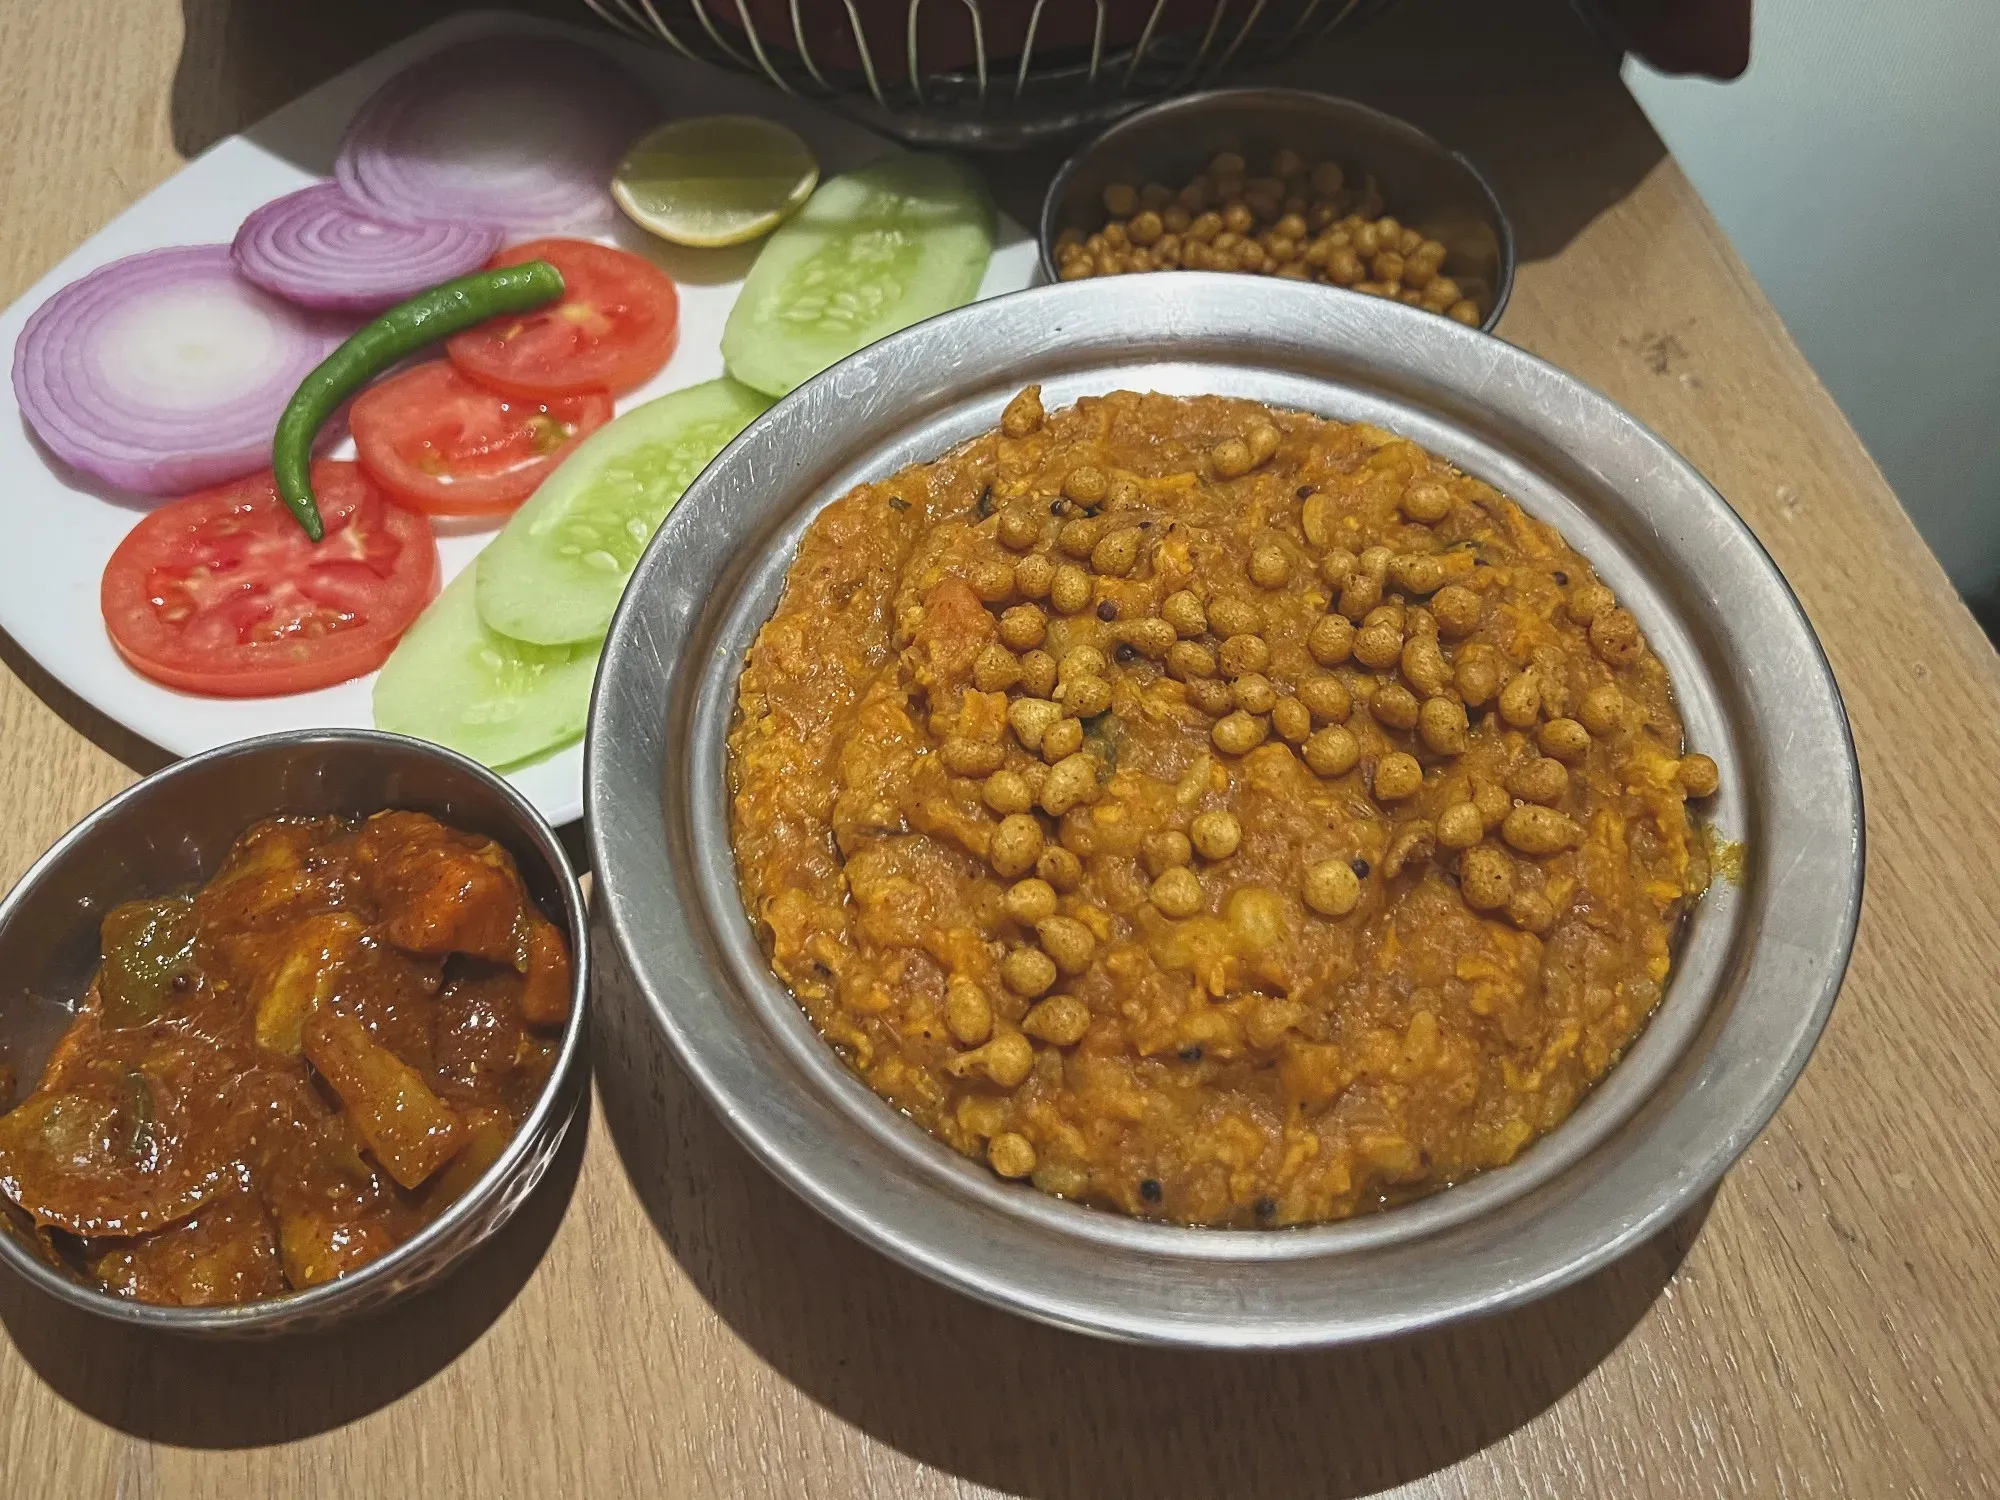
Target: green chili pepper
x,y
405,328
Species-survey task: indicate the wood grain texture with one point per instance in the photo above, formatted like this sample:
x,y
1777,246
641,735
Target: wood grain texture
x,y
664,1320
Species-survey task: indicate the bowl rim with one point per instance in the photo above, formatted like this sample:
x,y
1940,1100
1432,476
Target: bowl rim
x,y
1338,104
313,1308
637,829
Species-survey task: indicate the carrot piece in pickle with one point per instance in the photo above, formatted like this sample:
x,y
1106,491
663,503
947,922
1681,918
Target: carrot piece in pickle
x,y
443,891
334,1209
487,1133
545,989
316,1246
301,981
409,1129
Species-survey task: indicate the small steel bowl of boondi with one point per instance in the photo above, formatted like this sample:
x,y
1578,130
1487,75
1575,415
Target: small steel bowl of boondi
x,y
1425,185
1759,960
170,832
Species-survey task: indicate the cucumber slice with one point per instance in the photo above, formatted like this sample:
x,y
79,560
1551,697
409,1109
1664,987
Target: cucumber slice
x,y
554,573
872,251
452,681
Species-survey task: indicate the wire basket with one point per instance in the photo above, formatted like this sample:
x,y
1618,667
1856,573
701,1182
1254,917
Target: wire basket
x,y
984,74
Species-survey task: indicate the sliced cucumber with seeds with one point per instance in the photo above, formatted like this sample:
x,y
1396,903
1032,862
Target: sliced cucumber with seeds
x,y
554,573
896,242
456,683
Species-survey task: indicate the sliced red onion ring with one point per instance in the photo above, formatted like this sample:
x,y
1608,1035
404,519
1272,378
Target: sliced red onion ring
x,y
517,132
319,248
165,372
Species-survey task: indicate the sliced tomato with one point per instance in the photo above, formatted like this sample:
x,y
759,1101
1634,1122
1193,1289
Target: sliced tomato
x,y
220,592
612,329
441,444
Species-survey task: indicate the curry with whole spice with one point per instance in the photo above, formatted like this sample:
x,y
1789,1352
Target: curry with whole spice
x,y
1212,813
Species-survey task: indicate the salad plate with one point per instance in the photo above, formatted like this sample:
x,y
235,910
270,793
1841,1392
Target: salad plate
x,y
63,526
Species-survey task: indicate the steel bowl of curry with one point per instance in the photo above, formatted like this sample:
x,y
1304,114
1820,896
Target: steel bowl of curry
x,y
286,1030
1223,817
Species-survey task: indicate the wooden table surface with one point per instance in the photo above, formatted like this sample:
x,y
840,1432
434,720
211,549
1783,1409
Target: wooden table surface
x,y
664,1320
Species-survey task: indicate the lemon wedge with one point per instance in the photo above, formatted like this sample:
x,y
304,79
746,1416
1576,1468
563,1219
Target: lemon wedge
x,y
716,180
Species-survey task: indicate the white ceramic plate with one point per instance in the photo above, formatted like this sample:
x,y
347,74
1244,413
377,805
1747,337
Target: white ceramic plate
x,y
61,527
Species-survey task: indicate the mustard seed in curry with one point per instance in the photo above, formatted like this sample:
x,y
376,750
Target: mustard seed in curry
x,y
1212,813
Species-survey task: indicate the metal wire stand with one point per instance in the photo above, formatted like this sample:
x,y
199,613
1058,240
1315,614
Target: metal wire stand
x,y
994,102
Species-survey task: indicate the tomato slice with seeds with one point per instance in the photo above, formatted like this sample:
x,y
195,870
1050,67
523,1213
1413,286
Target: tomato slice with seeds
x,y
444,445
220,593
612,329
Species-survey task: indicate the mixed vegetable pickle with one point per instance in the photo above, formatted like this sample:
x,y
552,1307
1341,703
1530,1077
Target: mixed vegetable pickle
x,y
277,1078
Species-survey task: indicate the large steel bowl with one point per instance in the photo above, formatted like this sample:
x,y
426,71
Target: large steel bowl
x,y
171,831
1759,961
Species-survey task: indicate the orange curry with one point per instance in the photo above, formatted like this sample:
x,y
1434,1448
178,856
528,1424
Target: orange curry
x,y
1211,813
282,1076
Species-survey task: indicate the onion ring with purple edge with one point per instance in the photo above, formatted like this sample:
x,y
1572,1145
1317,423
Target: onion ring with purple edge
x,y
319,248
166,372
522,133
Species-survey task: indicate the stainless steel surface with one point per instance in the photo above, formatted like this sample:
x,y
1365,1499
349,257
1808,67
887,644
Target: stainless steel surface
x,y
1424,185
1008,93
1759,963
171,831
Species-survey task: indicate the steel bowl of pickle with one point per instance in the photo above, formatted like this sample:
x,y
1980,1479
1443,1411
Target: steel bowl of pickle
x,y
286,1030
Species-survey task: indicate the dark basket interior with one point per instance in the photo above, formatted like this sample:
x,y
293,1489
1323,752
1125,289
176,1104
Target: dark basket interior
x,y
985,73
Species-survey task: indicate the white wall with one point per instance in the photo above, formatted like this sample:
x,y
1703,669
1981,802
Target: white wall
x,y
1856,166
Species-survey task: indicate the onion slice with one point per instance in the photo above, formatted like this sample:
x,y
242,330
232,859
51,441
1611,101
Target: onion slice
x,y
517,132
319,248
165,372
